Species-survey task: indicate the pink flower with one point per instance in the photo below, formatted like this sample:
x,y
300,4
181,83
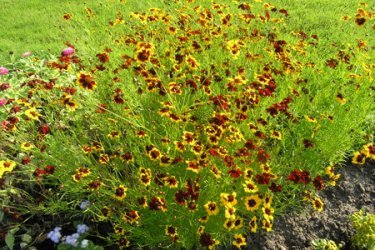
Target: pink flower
x,y
26,54
3,101
3,71
68,51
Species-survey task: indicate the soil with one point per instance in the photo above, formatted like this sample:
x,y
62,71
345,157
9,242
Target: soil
x,y
355,190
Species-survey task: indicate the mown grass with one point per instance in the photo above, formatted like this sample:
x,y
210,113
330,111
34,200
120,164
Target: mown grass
x,y
39,27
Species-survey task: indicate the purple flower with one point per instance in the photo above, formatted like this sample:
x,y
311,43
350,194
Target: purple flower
x,y
72,240
84,205
3,71
3,101
55,235
68,51
82,228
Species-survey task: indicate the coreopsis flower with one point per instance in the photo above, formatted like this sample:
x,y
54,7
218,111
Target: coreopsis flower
x,y
310,119
157,203
188,138
267,225
7,165
239,241
114,134
340,98
127,157
95,185
131,216
120,192
123,243
359,158
369,151
86,81
106,211
33,114
275,135
145,176
26,146
206,240
228,200
252,202
253,224
238,223
230,213
216,172
234,47
68,102
193,166
250,186
211,208
229,224
171,182
153,153
170,230
103,158
268,213
317,204
318,183
192,62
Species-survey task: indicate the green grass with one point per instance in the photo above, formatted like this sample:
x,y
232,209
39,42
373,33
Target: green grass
x,y
279,79
37,26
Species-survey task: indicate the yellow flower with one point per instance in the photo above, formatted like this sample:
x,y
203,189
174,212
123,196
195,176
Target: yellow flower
x,y
239,241
253,224
310,119
228,200
369,151
230,213
253,202
275,135
33,114
229,224
26,146
359,158
120,192
267,225
268,213
211,208
317,204
7,166
250,186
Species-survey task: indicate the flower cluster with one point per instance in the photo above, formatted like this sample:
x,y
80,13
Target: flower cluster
x,y
188,129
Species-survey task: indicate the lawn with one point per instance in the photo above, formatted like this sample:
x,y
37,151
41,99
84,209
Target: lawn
x,y
178,124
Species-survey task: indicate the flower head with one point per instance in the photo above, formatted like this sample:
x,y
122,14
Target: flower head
x,y
3,101
68,51
82,228
55,235
84,205
3,71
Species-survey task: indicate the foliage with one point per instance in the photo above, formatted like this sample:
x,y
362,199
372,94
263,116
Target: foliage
x,y
324,244
185,128
364,225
